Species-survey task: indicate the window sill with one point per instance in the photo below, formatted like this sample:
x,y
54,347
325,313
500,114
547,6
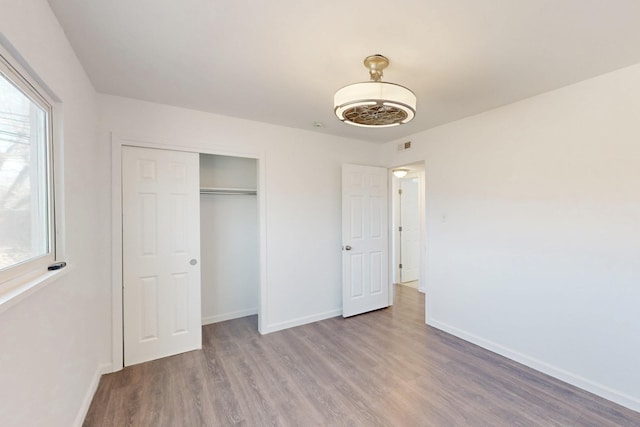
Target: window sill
x,y
13,294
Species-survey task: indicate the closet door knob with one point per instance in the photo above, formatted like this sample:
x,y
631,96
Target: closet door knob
x,y
348,248
193,261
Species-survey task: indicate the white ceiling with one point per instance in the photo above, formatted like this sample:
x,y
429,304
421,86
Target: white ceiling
x,y
281,61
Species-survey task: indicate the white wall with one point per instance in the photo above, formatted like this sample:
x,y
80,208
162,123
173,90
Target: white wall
x,y
228,172
302,177
229,257
229,239
532,231
53,342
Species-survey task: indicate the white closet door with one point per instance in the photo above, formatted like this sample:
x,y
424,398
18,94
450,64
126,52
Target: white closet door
x,y
161,253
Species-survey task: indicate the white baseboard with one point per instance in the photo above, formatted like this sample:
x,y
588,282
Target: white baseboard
x,y
102,369
561,374
274,327
229,316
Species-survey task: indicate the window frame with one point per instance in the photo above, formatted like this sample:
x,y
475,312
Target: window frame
x,y
28,83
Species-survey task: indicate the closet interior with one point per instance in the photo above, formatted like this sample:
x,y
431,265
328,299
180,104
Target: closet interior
x,y
228,237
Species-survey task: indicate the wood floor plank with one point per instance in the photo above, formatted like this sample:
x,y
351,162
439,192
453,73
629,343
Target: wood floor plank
x,y
384,368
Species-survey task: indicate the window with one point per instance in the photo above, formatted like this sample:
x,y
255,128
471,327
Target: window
x,y
27,226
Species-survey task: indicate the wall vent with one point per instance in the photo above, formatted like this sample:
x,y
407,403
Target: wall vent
x,y
404,146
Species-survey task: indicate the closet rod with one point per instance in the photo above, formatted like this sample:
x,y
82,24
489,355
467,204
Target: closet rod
x,y
229,191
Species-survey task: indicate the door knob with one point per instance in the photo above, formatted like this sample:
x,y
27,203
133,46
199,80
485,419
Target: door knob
x,y
193,261
347,248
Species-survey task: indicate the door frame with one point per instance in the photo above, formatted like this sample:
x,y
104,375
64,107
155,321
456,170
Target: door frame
x,y
117,142
394,241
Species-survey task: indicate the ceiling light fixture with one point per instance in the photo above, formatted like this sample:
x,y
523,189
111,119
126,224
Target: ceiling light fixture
x,y
375,103
400,173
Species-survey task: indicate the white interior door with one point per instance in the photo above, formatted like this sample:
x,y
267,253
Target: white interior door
x,y
365,253
161,253
410,231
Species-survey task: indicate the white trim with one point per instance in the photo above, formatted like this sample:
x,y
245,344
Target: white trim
x,y
561,374
302,321
117,345
102,369
422,211
393,232
116,227
229,316
263,307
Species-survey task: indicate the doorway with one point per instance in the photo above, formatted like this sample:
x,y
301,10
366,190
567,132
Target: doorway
x,y
409,231
408,226
228,237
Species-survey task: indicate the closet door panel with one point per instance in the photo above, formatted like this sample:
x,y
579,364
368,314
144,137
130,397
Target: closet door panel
x,y
161,253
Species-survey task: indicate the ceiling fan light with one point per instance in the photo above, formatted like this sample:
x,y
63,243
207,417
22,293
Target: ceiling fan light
x,y
375,103
340,109
400,173
408,110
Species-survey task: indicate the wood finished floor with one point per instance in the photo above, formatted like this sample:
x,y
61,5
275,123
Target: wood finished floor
x,y
385,368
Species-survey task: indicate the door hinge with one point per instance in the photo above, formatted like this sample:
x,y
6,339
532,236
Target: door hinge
x,y
400,191
400,265
400,228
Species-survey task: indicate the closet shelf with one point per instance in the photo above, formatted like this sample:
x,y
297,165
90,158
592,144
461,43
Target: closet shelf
x,y
228,191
